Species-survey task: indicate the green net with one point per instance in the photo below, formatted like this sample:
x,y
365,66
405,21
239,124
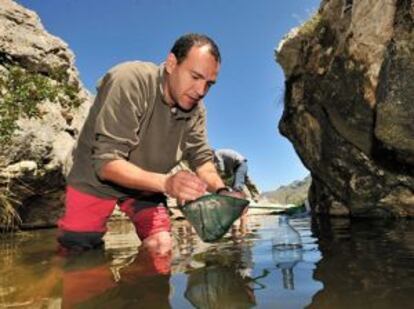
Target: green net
x,y
212,215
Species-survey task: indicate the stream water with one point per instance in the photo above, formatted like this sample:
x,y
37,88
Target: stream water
x,y
342,264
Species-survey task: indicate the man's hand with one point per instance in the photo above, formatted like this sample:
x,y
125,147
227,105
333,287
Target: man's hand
x,y
185,186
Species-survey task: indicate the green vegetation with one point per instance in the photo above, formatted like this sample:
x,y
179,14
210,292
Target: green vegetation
x,y
21,91
8,214
309,27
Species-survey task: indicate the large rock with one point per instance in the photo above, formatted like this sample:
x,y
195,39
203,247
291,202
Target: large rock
x,y
33,162
24,40
348,106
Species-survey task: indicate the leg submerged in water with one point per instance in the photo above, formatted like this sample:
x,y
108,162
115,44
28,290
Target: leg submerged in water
x,y
79,241
84,222
152,223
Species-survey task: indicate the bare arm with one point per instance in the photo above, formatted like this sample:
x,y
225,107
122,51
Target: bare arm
x,y
182,185
128,175
208,173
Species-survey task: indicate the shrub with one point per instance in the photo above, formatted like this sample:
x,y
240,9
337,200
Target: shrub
x,y
8,214
21,91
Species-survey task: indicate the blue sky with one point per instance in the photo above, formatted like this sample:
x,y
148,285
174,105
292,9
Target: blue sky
x,y
245,105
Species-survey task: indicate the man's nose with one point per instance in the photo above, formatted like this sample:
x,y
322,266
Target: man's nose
x,y
201,88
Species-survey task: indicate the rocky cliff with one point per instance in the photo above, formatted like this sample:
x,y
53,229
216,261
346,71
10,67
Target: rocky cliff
x,y
42,107
349,108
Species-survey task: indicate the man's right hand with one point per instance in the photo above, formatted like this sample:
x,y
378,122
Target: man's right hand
x,y
185,186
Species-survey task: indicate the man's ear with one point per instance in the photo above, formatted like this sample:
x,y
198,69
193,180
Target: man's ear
x,y
170,63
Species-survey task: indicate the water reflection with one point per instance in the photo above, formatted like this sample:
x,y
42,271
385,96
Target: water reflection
x,y
221,274
145,280
365,264
286,250
286,260
238,271
342,264
219,287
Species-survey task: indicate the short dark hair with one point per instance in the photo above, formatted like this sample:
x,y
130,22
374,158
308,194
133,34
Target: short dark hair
x,y
184,43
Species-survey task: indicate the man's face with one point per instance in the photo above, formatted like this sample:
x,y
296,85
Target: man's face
x,y
188,82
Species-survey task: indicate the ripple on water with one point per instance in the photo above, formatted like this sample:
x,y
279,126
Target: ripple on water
x,y
342,264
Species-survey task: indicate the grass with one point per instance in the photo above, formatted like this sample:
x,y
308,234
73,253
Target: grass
x,y
9,218
309,27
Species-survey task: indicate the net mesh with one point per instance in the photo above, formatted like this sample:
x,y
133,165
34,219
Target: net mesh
x,y
212,215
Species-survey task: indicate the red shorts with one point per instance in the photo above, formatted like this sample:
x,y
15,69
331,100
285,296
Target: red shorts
x,y
88,213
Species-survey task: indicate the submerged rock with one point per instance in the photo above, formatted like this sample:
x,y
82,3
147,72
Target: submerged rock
x,y
348,106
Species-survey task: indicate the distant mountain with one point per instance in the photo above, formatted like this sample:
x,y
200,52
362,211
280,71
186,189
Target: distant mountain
x,y
294,193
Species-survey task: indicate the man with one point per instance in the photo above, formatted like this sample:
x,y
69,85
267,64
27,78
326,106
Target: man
x,y
232,165
145,119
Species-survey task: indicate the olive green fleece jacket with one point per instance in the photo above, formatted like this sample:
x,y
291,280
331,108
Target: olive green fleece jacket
x,y
130,120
